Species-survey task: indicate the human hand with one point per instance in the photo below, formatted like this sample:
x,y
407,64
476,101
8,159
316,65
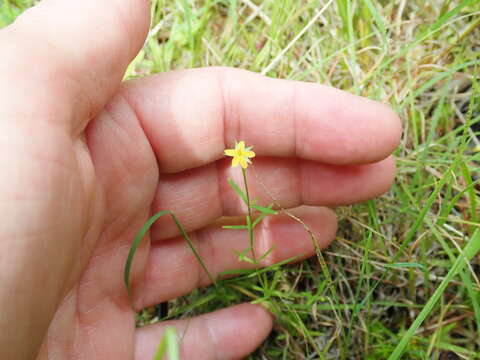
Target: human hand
x,y
85,160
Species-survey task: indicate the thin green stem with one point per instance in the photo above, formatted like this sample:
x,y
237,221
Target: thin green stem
x,y
249,218
141,234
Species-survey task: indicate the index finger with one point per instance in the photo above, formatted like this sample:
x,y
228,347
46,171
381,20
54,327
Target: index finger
x,y
191,116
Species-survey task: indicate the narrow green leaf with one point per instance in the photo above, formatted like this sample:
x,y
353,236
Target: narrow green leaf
x,y
192,246
168,345
436,26
470,250
413,229
242,255
465,275
404,265
454,201
438,78
141,234
378,19
238,190
259,219
472,196
264,210
266,253
473,246
235,227
172,344
134,247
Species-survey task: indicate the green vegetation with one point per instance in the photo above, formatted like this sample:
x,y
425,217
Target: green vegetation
x,y
396,281
168,346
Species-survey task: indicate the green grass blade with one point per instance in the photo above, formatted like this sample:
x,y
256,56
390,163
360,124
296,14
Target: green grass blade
x,y
434,28
168,345
470,250
464,275
192,247
470,188
134,247
413,229
438,78
141,234
405,265
378,20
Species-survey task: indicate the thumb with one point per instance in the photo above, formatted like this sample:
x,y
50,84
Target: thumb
x,y
70,56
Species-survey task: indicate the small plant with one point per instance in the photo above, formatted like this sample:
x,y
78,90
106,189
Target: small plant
x,y
241,156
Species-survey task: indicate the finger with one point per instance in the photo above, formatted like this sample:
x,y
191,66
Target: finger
x,y
173,270
192,116
231,333
80,50
201,195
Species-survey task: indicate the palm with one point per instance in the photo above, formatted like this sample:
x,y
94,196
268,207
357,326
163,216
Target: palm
x,y
116,201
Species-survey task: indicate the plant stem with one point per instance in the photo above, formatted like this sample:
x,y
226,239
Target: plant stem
x,y
249,218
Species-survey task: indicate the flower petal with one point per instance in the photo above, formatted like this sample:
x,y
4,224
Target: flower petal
x,y
230,152
250,154
243,163
235,161
240,146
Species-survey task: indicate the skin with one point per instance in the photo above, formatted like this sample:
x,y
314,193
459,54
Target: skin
x,y
85,160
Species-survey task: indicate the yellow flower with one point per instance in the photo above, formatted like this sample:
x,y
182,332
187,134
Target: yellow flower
x,y
240,154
